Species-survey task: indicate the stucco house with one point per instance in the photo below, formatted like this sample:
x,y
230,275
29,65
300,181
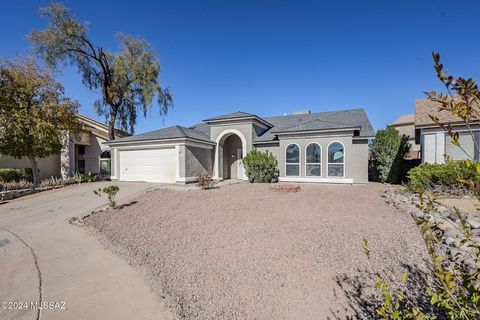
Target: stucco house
x,y
405,125
327,147
435,143
84,152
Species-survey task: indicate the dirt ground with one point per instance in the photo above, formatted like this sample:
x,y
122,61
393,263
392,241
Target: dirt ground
x,y
245,252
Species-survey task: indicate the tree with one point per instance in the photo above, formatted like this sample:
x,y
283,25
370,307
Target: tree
x,y
34,113
388,152
128,79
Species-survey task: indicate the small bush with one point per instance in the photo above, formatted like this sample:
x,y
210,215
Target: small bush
x,y
16,185
429,176
9,174
205,181
111,192
85,177
261,167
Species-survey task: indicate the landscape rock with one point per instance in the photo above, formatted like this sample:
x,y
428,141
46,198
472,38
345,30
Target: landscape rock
x,y
474,222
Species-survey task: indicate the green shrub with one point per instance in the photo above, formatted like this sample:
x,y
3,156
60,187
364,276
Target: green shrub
x,y
427,176
111,192
9,175
261,167
388,151
85,177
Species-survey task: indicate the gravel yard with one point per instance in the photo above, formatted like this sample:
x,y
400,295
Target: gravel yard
x,y
243,251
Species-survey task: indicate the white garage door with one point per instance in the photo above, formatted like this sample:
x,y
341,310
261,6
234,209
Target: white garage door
x,y
154,165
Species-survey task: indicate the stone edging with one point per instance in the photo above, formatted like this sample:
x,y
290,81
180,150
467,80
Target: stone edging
x,y
12,194
445,218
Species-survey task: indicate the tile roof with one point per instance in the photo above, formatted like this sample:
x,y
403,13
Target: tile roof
x,y
167,133
404,119
424,107
319,121
281,124
238,114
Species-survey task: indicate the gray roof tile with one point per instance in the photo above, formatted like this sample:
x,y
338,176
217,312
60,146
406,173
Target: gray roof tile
x,y
238,114
167,133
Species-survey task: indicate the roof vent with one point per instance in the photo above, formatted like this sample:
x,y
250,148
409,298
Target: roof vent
x,y
303,111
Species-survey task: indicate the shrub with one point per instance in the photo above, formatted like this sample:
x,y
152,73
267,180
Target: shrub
x,y
16,185
9,175
388,152
205,181
111,192
428,176
261,167
85,177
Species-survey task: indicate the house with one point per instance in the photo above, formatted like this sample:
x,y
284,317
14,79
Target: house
x,y
84,152
405,125
435,143
310,147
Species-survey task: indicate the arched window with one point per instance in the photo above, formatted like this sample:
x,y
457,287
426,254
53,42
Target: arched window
x,y
336,160
105,162
313,160
292,160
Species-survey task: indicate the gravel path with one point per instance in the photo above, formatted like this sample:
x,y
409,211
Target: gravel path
x,y
245,252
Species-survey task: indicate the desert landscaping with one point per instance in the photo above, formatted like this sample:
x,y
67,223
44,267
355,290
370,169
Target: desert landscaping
x,y
244,251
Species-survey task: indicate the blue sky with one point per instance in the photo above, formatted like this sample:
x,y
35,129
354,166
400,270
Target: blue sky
x,y
275,57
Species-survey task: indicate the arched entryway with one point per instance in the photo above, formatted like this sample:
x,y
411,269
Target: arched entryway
x,y
229,153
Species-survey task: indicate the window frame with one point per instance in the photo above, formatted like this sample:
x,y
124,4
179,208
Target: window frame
x,y
293,163
329,163
313,163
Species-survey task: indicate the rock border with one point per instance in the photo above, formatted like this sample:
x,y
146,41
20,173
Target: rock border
x,y
445,218
13,194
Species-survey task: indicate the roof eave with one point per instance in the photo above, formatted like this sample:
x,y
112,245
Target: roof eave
x,y
114,143
208,121
316,130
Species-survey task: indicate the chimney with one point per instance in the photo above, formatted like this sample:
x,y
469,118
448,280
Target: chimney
x,y
303,111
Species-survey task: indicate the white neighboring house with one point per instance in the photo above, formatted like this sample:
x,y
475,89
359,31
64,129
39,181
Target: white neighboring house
x,y
435,143
85,152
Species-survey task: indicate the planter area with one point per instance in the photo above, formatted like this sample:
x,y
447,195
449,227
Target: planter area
x,y
12,194
446,219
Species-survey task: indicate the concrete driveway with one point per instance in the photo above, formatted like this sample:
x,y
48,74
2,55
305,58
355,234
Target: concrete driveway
x,y
42,257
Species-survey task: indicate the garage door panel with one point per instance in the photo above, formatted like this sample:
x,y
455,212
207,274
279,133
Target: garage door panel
x,y
153,165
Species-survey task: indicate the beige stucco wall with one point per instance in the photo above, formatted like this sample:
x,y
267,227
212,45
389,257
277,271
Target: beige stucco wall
x,y
92,154
49,166
197,160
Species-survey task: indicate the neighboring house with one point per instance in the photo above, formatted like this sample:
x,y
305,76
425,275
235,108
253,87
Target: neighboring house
x,y
405,125
435,143
85,152
310,147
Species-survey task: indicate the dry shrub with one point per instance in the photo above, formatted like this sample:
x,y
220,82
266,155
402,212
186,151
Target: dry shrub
x,y
205,181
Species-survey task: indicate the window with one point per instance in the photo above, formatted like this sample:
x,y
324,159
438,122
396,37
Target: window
x,y
336,160
292,160
105,162
81,149
313,160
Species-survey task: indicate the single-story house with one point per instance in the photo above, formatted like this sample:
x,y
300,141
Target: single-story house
x,y
435,143
310,147
84,152
405,125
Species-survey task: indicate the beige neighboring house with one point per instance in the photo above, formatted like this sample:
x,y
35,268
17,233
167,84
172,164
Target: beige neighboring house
x,y
85,152
405,124
435,143
330,147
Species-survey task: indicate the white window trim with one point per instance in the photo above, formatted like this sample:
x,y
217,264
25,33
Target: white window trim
x,y
344,157
313,163
290,163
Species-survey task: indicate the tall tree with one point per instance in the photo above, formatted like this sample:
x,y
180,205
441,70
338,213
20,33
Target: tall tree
x,y
34,112
128,79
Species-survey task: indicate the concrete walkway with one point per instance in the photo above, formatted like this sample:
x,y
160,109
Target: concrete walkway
x,y
43,257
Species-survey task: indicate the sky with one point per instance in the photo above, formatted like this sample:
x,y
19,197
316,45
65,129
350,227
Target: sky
x,y
274,57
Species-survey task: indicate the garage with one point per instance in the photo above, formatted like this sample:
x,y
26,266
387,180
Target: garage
x,y
150,165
